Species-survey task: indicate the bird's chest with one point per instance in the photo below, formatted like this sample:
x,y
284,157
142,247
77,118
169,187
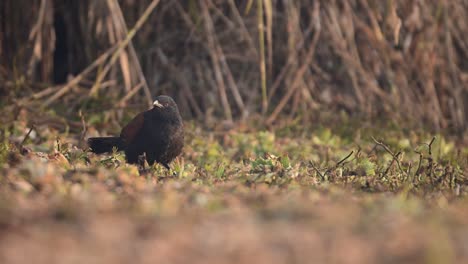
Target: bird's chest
x,y
159,131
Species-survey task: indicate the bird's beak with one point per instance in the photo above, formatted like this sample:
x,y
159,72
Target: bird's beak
x,y
157,104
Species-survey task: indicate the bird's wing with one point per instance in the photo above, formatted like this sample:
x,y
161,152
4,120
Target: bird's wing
x,y
130,131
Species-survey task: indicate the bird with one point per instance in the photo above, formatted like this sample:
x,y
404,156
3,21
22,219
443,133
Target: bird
x,y
157,133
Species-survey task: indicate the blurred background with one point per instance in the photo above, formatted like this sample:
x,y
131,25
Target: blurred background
x,y
399,60
333,131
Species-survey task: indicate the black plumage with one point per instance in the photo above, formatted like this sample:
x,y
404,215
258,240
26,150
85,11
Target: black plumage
x,y
158,133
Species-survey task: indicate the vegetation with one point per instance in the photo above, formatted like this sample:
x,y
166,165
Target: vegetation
x,y
329,194
316,131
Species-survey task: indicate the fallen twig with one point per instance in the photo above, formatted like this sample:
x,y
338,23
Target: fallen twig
x,y
26,136
316,169
63,90
389,151
344,159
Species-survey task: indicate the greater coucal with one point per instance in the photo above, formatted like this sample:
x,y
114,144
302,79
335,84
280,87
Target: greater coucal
x,y
158,132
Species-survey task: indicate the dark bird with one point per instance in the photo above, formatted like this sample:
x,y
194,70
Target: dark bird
x,y
158,133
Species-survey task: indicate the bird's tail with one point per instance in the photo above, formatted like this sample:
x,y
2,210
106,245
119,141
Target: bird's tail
x,y
100,145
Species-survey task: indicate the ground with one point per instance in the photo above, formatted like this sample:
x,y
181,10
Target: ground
x,y
338,194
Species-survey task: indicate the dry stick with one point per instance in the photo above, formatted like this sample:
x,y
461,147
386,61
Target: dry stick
x,y
309,86
231,83
425,77
344,159
289,62
230,79
116,26
316,169
294,35
350,36
295,101
243,29
182,80
357,66
187,19
419,164
227,71
40,19
44,92
194,27
300,72
26,136
209,49
339,162
396,23
129,94
341,43
135,58
430,145
35,34
408,172
373,20
261,40
395,156
307,102
421,155
218,13
215,61
122,46
280,77
248,7
84,127
269,35
460,42
126,69
457,89
115,34
79,77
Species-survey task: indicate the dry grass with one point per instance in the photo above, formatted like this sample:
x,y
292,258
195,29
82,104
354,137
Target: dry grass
x,y
390,58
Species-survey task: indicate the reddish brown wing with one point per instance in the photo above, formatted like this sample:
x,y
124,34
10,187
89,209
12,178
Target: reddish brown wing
x,y
130,131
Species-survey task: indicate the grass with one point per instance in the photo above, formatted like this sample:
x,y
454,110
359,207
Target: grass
x,y
348,193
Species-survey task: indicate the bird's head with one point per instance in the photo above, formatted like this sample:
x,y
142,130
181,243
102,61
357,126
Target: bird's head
x,y
164,101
